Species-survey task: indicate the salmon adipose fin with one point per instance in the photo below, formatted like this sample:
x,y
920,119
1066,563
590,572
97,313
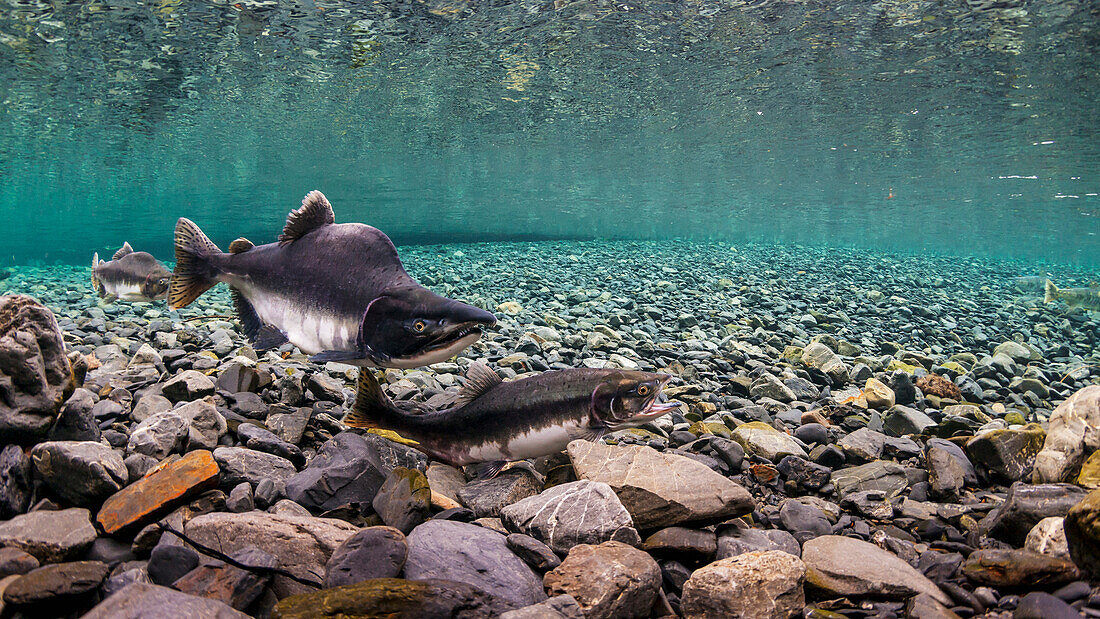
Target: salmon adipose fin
x,y
193,274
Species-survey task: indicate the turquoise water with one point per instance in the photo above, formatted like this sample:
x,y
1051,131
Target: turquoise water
x,y
943,127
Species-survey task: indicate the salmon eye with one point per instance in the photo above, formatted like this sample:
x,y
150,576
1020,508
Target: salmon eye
x,y
419,326
643,390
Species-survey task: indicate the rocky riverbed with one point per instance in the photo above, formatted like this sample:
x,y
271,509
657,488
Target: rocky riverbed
x,y
861,435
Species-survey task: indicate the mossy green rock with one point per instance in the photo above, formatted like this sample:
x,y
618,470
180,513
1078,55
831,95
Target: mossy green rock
x,y
1015,418
394,598
1089,477
953,366
792,353
700,428
898,365
1008,454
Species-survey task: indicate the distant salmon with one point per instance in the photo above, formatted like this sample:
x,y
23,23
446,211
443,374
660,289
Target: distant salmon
x,y
494,421
1085,298
130,275
1031,283
336,291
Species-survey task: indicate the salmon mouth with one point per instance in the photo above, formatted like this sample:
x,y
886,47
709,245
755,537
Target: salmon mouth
x,y
442,348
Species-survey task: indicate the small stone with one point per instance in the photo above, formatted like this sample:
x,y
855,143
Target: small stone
x,y
579,512
240,498
290,425
159,492
760,439
1073,433
863,445
821,357
1048,537
610,580
301,545
764,585
475,555
1025,505
879,475
399,598
487,497
187,386
1041,605
81,472
143,600
533,552
879,396
373,552
879,573
679,542
557,607
205,425
404,500
659,489
168,562
15,561
76,422
902,420
239,464
50,536
1008,454
1017,568
225,583
159,435
44,591
739,539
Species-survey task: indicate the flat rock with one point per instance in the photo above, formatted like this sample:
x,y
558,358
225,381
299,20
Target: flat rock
x,y
486,497
349,468
61,585
394,597
739,539
81,472
902,420
373,552
205,425
830,569
301,545
51,536
533,552
579,512
239,464
659,489
879,475
35,375
1008,454
15,561
404,500
148,601
449,550
159,435
691,545
216,580
610,580
160,491
760,439
1017,568
761,585
187,386
1073,433
1024,506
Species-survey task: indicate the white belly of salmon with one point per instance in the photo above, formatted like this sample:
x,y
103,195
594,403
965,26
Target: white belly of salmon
x,y
530,444
125,291
310,329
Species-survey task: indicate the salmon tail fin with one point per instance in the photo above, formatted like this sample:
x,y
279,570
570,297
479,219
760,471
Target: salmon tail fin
x,y
371,403
1051,292
194,274
98,287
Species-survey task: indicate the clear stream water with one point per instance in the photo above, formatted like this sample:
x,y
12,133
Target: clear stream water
x,y
948,127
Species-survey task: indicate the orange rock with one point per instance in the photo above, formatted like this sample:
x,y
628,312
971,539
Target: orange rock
x,y
160,491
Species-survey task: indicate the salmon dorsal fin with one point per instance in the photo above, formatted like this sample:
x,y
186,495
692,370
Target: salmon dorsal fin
x,y
240,246
122,251
480,378
314,213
